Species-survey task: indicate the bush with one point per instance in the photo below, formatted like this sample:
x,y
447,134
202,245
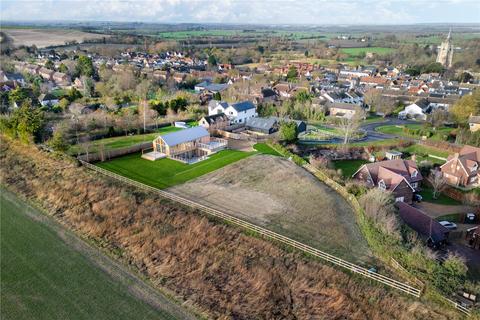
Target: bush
x,y
356,188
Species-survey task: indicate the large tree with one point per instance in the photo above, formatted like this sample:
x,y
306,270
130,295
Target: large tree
x,y
26,123
84,67
466,106
350,125
288,131
379,103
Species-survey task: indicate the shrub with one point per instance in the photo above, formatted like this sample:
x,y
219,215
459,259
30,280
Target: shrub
x,y
356,188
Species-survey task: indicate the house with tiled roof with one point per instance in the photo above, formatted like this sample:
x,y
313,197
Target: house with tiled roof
x,y
215,121
401,177
463,168
237,112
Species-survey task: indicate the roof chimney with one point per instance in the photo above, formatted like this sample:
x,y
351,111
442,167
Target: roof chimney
x,y
414,157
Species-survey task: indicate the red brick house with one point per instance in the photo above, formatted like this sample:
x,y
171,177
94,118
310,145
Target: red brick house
x,y
399,176
463,168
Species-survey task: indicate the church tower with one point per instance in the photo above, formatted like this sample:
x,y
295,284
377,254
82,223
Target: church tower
x,y
445,52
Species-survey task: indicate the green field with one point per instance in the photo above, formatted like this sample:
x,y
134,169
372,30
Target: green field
x,y
348,167
123,141
45,277
166,172
355,52
438,134
181,35
265,149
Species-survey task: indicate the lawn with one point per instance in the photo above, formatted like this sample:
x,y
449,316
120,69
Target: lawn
x,y
355,52
166,172
348,167
44,277
452,217
438,134
123,141
427,196
422,153
265,149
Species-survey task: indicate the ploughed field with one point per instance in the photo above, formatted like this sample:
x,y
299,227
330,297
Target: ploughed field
x,y
48,274
277,194
49,37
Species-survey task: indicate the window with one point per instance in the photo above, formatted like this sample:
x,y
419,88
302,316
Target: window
x,y
381,185
414,174
399,199
414,184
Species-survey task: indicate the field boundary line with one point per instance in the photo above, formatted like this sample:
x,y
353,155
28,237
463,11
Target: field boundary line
x,y
401,286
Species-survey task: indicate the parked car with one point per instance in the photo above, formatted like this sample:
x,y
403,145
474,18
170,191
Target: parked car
x,y
448,225
470,218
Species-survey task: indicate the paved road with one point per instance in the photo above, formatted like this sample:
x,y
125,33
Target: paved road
x,y
373,135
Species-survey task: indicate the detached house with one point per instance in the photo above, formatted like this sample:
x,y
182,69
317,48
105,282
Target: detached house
x,y
399,176
417,110
188,146
237,112
474,123
215,121
342,109
463,168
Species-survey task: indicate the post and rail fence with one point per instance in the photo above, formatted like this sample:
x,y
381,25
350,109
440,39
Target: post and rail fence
x,y
403,287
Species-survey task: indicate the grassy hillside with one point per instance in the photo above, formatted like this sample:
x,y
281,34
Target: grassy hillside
x,y
215,267
43,277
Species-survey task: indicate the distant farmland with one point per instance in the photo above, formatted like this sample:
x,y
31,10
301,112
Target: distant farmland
x,y
354,52
48,37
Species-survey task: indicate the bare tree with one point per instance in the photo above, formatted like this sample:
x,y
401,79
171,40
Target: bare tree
x,y
438,183
350,125
379,206
380,104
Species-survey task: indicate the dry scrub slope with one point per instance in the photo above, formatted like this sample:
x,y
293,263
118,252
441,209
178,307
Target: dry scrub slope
x,y
279,195
217,268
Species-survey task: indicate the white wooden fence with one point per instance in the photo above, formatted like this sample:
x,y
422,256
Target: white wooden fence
x,y
267,234
459,307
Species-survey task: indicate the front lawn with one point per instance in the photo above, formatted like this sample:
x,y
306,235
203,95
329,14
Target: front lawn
x,y
452,217
427,195
348,167
265,149
123,141
166,172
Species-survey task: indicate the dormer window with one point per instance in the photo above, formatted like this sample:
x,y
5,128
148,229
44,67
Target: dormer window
x,y
474,167
381,185
414,174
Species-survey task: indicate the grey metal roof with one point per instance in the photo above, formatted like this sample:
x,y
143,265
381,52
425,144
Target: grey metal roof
x,y
242,106
182,136
261,123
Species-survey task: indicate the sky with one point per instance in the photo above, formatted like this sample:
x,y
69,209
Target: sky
x,y
316,12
